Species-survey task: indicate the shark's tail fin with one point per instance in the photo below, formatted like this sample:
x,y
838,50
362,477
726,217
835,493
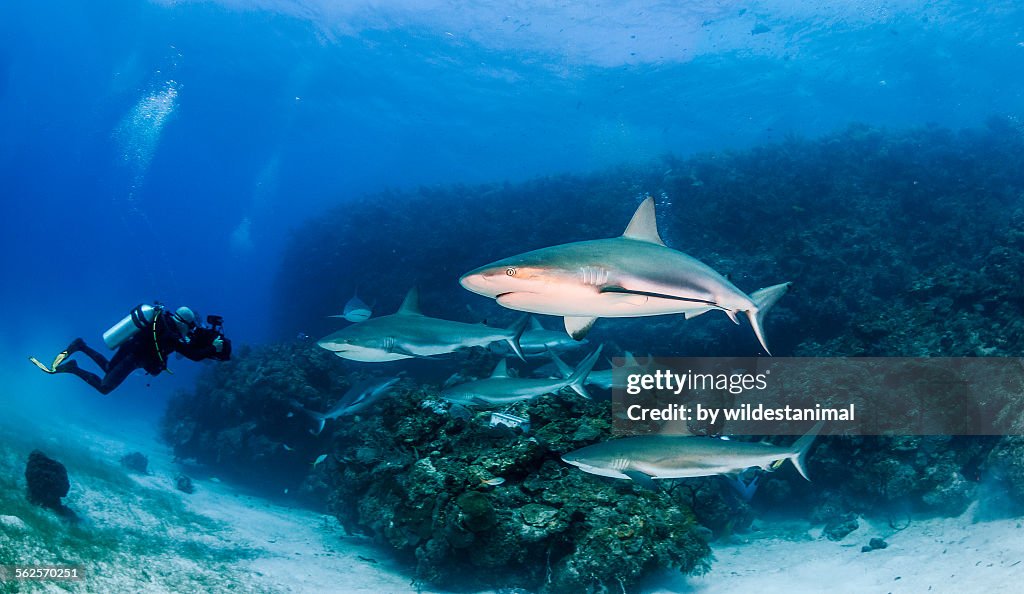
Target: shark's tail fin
x,y
802,445
517,332
763,300
317,418
578,378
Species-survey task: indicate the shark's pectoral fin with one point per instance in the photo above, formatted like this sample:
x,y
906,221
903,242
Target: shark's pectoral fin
x,y
398,349
578,327
644,480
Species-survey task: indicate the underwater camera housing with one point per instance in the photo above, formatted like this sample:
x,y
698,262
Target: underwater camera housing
x,y
206,335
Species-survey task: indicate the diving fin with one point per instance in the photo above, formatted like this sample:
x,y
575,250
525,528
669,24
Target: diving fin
x,y
40,365
58,360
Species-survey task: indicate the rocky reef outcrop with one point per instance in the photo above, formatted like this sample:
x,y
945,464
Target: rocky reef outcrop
x,y
47,481
482,507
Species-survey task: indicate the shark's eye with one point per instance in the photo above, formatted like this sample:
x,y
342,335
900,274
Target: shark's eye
x,y
510,271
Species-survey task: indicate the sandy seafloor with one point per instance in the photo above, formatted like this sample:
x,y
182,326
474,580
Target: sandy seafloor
x,y
222,538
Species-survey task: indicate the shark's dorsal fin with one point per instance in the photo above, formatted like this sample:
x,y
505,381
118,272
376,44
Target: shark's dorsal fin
x,y
411,303
578,327
564,369
644,226
535,324
676,427
500,370
630,359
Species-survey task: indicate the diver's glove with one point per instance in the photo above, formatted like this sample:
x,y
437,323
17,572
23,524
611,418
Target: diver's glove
x,y
218,344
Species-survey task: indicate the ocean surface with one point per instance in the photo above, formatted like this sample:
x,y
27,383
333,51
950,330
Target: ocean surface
x,y
265,160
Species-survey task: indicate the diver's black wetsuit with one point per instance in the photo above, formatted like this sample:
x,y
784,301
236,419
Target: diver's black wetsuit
x,y
138,352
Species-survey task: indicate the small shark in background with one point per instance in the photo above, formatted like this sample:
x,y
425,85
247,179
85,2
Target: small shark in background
x,y
408,333
500,389
538,340
605,378
358,397
628,276
355,310
645,458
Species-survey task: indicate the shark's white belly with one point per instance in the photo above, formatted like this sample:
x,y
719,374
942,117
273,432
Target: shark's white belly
x,y
370,355
591,303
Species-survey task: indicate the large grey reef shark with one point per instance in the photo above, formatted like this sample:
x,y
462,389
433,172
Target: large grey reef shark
x,y
499,389
628,276
408,333
649,457
358,397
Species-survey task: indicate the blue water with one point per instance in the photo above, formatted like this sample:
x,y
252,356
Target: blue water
x,y
165,150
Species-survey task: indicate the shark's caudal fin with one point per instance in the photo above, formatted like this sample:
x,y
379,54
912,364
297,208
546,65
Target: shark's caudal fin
x,y
763,300
579,377
513,341
319,419
802,445
745,489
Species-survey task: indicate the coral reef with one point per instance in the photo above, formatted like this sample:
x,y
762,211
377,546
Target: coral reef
x,y
420,480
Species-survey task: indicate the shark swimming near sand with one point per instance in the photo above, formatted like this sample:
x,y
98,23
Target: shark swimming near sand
x,y
499,389
358,397
408,333
645,458
633,275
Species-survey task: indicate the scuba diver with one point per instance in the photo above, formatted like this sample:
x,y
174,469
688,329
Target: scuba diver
x,y
144,339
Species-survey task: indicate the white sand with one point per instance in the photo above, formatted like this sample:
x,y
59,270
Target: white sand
x,y
244,543
249,544
930,555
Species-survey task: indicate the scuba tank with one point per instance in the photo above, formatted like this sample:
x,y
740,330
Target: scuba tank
x,y
140,316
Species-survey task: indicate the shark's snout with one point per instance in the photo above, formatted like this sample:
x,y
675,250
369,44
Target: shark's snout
x,y
479,281
332,345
